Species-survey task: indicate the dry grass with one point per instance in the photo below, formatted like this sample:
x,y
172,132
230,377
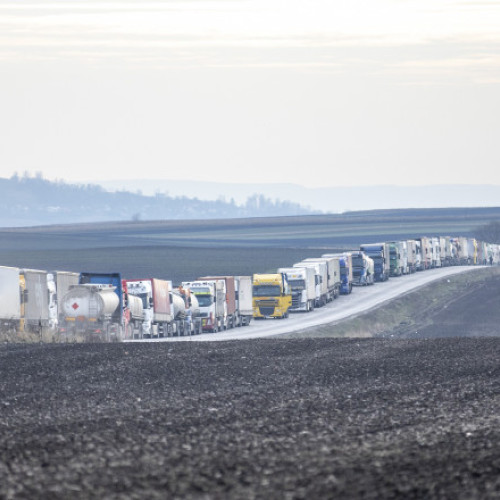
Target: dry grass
x,y
46,336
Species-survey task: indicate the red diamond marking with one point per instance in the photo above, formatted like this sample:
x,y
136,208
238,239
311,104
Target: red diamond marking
x,y
75,306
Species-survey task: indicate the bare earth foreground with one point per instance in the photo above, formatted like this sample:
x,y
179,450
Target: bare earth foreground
x,y
306,418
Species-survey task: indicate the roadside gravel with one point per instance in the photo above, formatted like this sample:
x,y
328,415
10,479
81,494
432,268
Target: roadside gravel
x,y
313,418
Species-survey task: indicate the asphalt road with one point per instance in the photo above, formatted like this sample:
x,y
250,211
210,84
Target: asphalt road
x,y
362,299
284,419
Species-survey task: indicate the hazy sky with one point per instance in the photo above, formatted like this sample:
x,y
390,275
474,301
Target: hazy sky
x,y
314,92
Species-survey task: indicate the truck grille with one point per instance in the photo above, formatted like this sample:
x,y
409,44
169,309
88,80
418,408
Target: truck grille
x,y
266,307
266,311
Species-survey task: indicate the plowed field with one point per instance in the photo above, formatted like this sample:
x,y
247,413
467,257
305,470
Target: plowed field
x,y
313,418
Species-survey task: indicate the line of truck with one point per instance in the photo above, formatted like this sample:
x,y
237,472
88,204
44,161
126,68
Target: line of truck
x,y
314,282
106,306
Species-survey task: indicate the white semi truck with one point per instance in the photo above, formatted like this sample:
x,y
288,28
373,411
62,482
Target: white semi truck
x,y
321,280
211,296
157,314
302,281
333,280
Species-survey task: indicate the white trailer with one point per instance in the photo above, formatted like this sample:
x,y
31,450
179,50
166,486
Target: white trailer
x,y
333,277
403,256
36,304
244,299
472,251
419,264
412,255
436,251
302,281
463,251
321,280
10,299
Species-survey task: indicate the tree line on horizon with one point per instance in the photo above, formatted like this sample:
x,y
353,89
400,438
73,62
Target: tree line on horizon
x,y
33,200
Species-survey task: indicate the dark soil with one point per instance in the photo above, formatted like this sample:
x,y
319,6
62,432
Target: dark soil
x,y
313,418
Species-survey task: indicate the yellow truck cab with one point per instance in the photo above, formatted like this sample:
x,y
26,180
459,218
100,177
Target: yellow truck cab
x,y
272,297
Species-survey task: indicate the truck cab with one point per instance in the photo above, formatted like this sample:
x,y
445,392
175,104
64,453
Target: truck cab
x,y
395,259
211,297
345,263
362,269
302,282
379,252
272,296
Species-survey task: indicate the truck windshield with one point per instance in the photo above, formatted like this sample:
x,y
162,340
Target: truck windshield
x,y
297,284
145,300
266,291
357,261
204,300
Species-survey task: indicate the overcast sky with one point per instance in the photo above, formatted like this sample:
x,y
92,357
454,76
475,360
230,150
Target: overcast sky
x,y
314,92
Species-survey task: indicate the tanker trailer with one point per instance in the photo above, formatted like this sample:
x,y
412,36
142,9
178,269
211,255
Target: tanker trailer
x,y
88,310
192,321
133,314
179,313
157,320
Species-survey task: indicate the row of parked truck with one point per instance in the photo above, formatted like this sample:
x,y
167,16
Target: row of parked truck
x,y
316,281
105,306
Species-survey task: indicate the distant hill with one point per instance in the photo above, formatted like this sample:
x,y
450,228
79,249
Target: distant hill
x,y
327,199
30,201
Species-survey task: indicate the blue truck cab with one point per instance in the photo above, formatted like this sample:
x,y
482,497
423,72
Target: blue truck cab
x,y
380,253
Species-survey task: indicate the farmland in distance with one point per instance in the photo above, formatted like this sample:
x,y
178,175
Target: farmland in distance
x,y
164,262
183,250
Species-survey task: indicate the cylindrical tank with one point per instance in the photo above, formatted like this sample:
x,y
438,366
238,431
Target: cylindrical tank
x,y
135,306
195,306
90,301
178,305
